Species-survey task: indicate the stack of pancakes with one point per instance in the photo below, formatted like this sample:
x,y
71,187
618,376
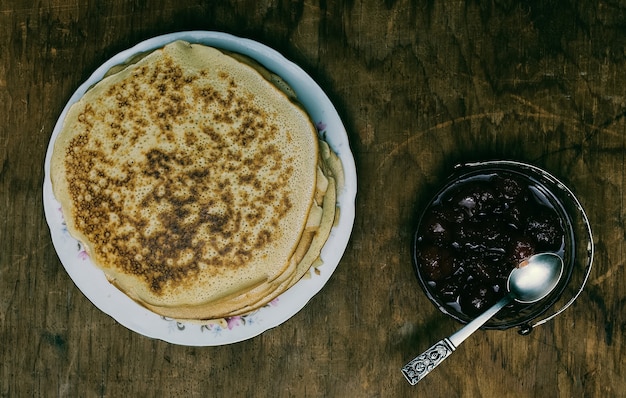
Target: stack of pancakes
x,y
196,182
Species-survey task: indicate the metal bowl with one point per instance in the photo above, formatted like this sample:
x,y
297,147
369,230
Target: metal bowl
x,y
577,250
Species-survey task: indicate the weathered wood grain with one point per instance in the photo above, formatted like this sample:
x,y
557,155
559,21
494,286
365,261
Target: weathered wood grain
x,y
420,86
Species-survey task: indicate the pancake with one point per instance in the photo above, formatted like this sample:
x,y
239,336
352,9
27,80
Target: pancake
x,y
194,182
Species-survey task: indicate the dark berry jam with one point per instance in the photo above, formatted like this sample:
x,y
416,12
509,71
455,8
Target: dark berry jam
x,y
477,230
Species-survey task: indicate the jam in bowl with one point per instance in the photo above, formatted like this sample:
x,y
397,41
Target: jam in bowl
x,y
485,220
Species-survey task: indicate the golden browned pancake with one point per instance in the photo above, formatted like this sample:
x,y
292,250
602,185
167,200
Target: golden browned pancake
x,y
194,182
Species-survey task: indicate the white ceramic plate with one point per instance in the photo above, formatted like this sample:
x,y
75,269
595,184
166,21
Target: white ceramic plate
x,y
92,282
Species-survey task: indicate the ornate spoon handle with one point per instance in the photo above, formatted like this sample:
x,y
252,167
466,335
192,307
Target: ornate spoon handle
x,y
419,367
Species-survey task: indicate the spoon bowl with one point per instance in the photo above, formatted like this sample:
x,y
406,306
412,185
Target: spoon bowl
x,y
535,277
531,281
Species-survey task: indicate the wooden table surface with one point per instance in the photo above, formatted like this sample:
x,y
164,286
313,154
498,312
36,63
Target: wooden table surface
x,y
419,86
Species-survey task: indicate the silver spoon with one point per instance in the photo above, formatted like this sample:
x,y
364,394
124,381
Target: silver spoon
x,y
531,281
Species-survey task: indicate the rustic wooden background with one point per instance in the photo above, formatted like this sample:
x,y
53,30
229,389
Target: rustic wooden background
x,y
420,86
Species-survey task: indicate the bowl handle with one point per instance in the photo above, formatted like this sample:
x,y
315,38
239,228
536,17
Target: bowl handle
x,y
527,328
